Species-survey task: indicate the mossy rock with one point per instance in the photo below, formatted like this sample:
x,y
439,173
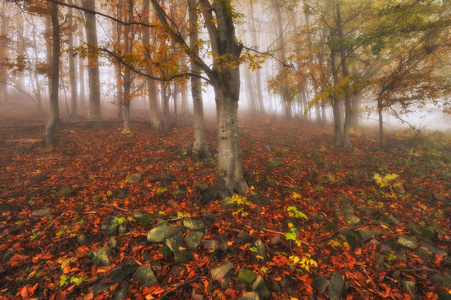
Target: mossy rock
x,y
352,238
167,253
246,276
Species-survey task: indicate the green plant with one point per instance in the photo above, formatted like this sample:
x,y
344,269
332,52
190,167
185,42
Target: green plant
x,y
292,235
35,235
390,180
127,132
161,190
182,215
293,212
255,251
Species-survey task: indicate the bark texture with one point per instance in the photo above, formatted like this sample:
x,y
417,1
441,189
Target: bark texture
x,y
94,110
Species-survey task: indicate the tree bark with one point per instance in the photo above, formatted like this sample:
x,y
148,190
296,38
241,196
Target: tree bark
x,y
381,123
81,74
51,128
200,149
345,71
72,72
94,109
3,51
335,102
151,85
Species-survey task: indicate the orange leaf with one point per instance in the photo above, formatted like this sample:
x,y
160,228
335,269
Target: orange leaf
x,y
24,292
66,269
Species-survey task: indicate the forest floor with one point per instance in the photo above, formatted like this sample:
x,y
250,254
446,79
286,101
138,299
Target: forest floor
x,y
75,217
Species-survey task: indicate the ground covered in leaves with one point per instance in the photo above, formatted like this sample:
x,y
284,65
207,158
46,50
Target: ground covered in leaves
x,y
318,220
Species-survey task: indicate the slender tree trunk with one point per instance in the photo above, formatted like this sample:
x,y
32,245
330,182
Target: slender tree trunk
x,y
94,110
51,128
3,51
166,111
381,123
258,80
81,73
72,74
119,91
200,149
344,68
184,108
335,103
355,111
250,90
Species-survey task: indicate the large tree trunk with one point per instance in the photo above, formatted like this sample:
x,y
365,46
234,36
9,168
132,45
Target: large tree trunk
x,y
72,72
226,83
50,129
151,85
344,68
200,149
94,110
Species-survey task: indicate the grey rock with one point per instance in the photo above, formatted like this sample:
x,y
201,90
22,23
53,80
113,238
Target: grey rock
x,y
225,282
176,244
380,262
138,214
401,256
434,250
366,211
101,257
389,220
263,292
121,291
351,237
118,274
183,256
210,244
344,210
396,274
113,243
64,192
273,285
407,241
134,178
193,224
244,237
367,235
261,249
439,197
193,239
351,219
42,212
336,286
246,276
121,230
410,287
374,242
221,270
250,296
84,239
320,283
109,225
440,281
162,232
258,283
145,276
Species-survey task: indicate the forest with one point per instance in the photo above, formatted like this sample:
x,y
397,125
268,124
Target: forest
x,y
220,149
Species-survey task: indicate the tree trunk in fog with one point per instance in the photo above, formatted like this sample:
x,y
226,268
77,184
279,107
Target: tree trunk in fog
x,y
166,112
50,129
151,85
94,110
81,73
258,80
344,68
128,40
250,90
380,107
72,74
3,51
200,149
355,111
323,112
184,108
35,74
119,91
335,102
226,83
20,51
